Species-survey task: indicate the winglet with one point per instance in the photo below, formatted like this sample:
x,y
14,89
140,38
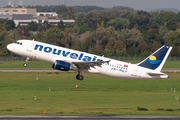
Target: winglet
x,y
108,62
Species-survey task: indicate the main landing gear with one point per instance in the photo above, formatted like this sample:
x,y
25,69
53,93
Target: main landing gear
x,y
79,76
25,64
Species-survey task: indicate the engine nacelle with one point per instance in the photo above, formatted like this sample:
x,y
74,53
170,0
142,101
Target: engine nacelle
x,y
63,66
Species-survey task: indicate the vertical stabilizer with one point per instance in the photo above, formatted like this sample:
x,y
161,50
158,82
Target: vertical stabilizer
x,y
156,60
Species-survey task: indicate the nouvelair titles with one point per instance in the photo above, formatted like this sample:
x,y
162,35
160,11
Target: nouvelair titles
x,y
66,53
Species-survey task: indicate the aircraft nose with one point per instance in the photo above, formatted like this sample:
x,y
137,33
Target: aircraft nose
x,y
10,47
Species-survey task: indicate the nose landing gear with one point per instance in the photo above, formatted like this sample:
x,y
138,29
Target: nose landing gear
x,y
25,64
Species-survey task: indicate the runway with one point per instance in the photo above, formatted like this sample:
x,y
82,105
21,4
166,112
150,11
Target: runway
x,y
53,70
41,117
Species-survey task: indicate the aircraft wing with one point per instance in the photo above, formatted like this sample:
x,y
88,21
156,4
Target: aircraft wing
x,y
87,65
83,65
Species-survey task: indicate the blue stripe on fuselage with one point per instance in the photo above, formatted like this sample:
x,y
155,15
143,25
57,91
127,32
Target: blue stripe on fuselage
x,y
73,55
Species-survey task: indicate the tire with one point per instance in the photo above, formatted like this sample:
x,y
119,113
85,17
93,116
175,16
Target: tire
x,y
25,64
79,77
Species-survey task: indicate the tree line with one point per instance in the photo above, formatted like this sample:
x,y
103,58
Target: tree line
x,y
117,31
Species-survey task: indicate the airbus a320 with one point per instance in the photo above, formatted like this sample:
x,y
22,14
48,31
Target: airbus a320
x,y
65,59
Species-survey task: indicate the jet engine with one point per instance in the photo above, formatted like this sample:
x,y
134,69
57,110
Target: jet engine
x,y
63,66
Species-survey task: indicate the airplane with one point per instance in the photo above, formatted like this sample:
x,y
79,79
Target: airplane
x,y
65,59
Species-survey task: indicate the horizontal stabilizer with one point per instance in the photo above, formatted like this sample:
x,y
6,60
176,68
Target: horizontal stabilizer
x,y
158,75
154,73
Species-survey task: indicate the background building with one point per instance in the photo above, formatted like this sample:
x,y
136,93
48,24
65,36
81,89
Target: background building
x,y
23,16
20,10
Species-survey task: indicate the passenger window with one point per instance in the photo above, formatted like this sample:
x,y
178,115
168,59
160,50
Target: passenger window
x,y
19,43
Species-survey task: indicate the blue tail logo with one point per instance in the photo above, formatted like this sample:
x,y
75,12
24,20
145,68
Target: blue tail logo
x,y
153,60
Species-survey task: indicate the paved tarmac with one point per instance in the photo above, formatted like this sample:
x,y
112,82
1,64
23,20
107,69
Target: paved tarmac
x,y
53,70
40,117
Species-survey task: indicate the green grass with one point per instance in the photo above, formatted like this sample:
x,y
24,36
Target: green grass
x,y
167,65
95,95
19,65
44,65
172,64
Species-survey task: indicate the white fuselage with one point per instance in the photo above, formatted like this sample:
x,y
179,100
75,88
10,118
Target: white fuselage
x,y
51,53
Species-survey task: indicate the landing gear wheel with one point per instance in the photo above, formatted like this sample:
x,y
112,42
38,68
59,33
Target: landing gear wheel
x,y
25,64
79,77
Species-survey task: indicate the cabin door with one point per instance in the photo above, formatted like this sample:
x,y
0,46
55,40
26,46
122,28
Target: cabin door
x,y
30,47
135,69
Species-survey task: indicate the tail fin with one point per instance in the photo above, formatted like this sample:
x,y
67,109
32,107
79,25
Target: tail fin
x,y
156,60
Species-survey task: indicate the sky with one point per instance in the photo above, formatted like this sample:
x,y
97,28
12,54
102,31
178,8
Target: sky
x,y
136,4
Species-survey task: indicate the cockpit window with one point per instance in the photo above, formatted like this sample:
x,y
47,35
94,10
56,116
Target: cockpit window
x,y
19,43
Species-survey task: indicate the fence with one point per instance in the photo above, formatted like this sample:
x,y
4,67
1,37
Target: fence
x,y
117,58
142,58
